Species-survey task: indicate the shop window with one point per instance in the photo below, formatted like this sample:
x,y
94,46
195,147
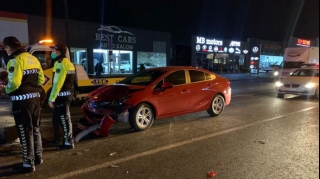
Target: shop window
x,y
117,62
79,56
150,60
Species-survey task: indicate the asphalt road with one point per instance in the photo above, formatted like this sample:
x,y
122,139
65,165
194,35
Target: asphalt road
x,y
257,136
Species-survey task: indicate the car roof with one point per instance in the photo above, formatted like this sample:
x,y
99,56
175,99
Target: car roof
x,y
310,68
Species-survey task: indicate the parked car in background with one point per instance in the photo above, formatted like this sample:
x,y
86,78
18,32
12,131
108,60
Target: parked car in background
x,y
146,65
156,93
304,81
125,66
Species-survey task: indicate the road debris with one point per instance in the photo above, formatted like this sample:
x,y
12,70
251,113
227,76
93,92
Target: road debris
x,y
211,174
260,142
113,153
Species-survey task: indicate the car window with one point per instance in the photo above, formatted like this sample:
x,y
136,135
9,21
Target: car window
x,y
143,78
196,75
306,73
43,57
288,65
209,76
176,78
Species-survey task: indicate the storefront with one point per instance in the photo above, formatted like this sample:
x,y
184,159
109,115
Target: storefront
x,y
264,55
120,50
219,55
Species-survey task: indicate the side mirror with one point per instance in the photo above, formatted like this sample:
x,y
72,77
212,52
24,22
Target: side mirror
x,y
166,85
163,87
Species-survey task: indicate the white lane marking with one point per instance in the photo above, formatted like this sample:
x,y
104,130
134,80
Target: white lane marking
x,y
171,146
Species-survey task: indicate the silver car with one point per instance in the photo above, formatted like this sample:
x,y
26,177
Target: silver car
x,y
304,81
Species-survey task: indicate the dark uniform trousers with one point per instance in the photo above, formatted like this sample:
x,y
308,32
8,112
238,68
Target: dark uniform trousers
x,y
61,117
27,118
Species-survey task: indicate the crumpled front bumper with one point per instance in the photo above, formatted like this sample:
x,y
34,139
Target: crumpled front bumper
x,y
105,117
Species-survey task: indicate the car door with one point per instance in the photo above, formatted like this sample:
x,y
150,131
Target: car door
x,y
174,100
201,89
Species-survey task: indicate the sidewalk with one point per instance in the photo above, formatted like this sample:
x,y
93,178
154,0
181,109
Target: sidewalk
x,y
244,76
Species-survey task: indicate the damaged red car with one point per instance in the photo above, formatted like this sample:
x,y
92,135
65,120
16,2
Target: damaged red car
x,y
152,94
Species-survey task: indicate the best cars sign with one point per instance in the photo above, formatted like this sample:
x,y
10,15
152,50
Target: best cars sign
x,y
112,37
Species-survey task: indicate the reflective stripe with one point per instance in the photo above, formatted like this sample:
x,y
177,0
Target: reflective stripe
x,y
64,93
24,96
71,72
30,71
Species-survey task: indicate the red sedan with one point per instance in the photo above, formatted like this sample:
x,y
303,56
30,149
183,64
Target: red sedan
x,y
155,93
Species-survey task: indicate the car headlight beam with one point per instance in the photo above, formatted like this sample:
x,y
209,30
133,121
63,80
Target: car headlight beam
x,y
278,84
310,85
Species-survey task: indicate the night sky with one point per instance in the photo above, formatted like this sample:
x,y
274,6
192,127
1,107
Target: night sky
x,y
228,19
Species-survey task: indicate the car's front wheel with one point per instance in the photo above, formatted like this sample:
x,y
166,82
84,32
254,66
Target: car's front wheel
x,y
141,117
317,93
217,105
280,95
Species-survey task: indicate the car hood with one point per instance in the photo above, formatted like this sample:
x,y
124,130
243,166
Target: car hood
x,y
113,92
299,80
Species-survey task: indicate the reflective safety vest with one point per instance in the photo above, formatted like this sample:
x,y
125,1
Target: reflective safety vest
x,y
63,80
25,75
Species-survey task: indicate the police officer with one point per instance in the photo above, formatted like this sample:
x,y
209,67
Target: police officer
x,y
25,77
61,94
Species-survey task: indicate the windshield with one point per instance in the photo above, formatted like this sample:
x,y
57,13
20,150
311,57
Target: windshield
x,y
287,65
144,78
306,73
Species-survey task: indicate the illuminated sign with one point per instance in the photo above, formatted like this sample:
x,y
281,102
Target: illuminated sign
x,y
303,42
238,51
231,50
202,40
235,44
255,49
112,37
197,47
245,51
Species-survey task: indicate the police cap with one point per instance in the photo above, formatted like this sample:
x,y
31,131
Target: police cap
x,y
11,41
60,47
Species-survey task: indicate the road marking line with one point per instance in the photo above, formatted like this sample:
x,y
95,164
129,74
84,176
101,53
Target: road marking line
x,y
171,146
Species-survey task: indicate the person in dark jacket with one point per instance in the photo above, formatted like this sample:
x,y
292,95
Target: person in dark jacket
x,y
99,69
61,95
25,77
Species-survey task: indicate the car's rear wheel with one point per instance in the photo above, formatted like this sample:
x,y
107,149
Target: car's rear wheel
x,y
141,117
217,105
280,95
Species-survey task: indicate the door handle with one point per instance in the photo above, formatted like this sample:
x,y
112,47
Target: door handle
x,y
185,91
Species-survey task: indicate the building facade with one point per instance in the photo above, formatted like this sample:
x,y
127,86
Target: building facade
x,y
219,55
119,49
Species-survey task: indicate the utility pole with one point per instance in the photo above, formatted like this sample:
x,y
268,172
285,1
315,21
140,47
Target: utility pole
x,y
66,22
